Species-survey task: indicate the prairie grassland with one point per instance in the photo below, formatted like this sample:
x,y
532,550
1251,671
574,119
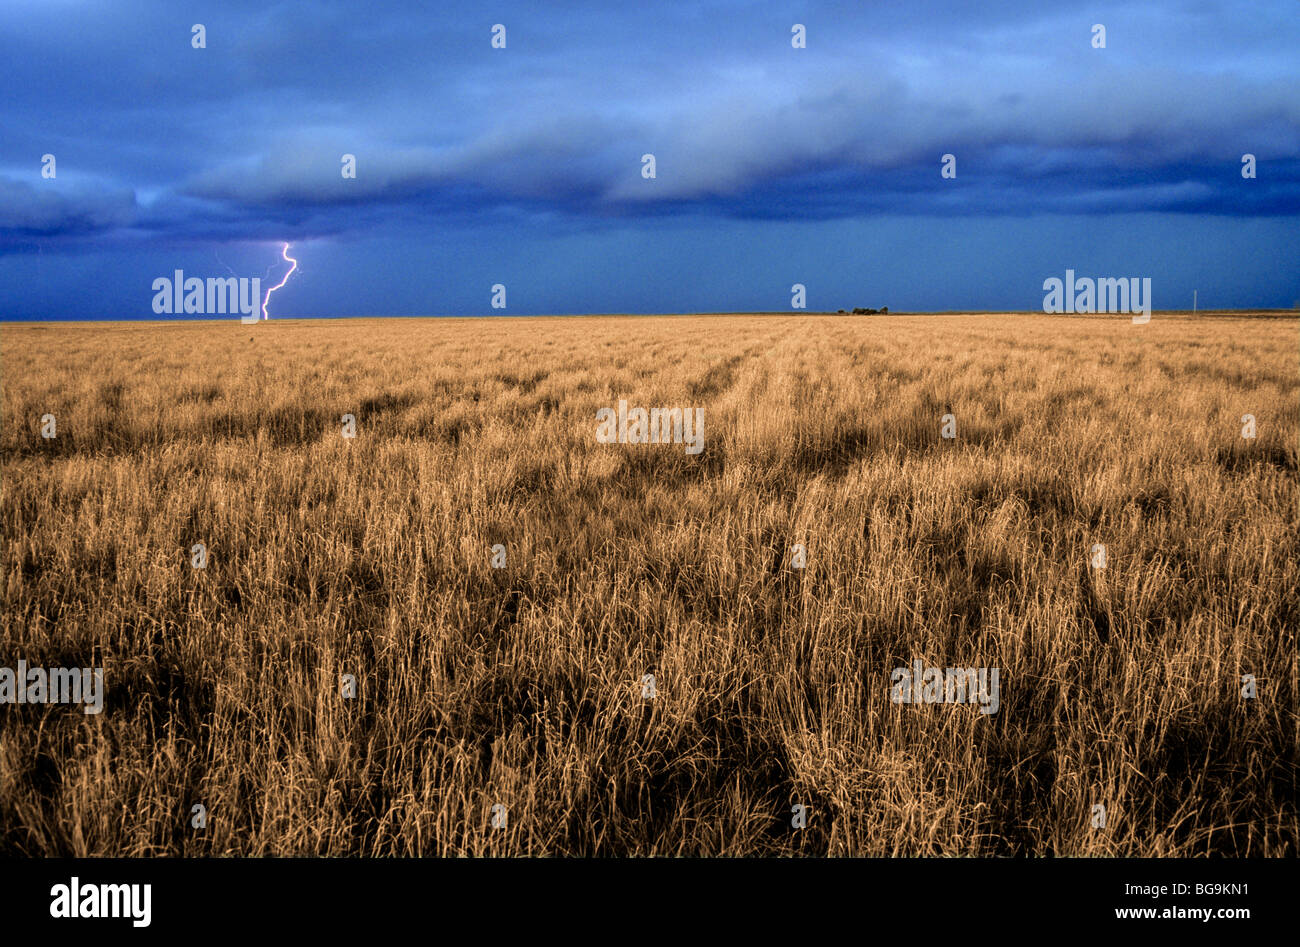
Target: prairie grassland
x,y
521,686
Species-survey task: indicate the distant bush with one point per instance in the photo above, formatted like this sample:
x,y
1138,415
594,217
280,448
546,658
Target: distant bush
x,y
870,312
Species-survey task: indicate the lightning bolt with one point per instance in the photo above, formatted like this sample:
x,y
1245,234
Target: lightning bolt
x,y
285,253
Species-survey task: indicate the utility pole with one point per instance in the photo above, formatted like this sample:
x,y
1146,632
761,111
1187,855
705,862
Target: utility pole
x,y
1193,300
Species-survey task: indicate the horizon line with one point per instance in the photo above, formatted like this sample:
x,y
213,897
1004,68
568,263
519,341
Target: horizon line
x,y
1263,311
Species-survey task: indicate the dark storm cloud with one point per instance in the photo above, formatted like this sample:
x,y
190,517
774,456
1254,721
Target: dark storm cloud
x,y
245,137
29,210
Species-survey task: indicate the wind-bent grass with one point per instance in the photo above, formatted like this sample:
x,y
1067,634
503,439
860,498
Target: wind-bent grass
x,y
522,686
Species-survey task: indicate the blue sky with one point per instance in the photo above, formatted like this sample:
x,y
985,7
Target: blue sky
x,y
522,165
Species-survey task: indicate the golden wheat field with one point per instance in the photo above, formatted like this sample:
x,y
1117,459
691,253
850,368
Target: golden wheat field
x,y
519,691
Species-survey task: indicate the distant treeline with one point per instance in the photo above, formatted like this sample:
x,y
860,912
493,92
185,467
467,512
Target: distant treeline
x,y
882,311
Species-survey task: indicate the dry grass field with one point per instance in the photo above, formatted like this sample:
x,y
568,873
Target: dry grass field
x,y
521,686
